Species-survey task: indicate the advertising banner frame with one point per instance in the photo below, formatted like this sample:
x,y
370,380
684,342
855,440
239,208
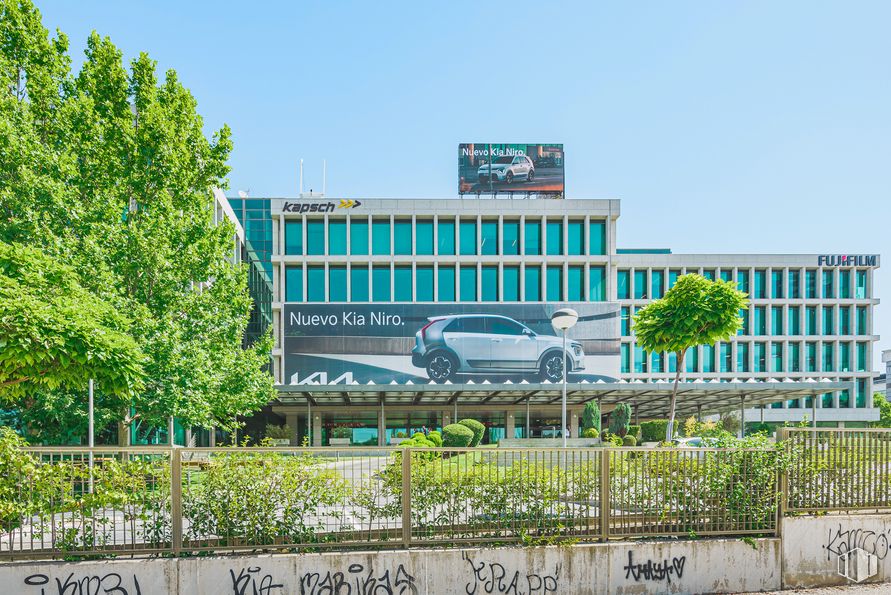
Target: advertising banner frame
x,y
511,168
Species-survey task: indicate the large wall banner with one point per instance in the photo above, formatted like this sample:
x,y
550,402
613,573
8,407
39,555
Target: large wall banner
x,y
490,168
456,343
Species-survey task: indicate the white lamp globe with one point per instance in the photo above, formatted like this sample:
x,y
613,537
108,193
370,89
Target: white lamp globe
x,y
564,319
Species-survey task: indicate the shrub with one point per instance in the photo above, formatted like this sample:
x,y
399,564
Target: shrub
x,y
278,432
591,416
435,437
419,435
476,427
456,436
634,431
608,439
759,427
401,434
654,430
342,432
629,440
590,433
619,419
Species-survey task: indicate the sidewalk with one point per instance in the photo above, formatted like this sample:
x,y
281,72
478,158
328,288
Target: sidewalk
x,y
872,589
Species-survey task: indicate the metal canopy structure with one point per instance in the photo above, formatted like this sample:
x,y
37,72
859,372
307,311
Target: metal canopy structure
x,y
651,399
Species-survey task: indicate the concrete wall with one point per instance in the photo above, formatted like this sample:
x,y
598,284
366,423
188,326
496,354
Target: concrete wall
x,y
704,566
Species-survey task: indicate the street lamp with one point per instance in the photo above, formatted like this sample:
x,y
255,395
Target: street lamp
x,y
563,320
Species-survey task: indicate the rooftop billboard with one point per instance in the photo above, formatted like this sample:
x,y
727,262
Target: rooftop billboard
x,y
486,168
456,343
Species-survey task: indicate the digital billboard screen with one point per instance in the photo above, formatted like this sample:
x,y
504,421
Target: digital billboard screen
x,y
486,168
348,343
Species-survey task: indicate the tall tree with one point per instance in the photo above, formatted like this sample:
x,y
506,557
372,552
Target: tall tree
x,y
695,311
109,169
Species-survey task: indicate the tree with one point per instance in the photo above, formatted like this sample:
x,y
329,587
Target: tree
x,y
884,407
109,171
620,419
591,416
695,311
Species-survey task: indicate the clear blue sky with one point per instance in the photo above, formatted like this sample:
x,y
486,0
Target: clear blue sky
x,y
723,126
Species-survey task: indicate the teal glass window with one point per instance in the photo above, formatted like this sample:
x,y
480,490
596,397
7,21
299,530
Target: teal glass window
x,y
640,361
826,401
862,360
489,284
828,285
424,282
402,241
468,283
402,284
691,361
708,359
575,283
760,357
555,283
446,283
810,284
532,284
445,239
776,320
844,285
828,357
794,320
657,284
424,237
828,320
844,357
862,321
810,320
742,281
861,393
510,281
657,363
293,237
744,329
510,240
776,357
597,237
673,277
359,236
860,291
532,238
760,284
294,284
760,321
337,243
709,274
776,284
575,240
380,237
810,357
794,357
623,284
489,237
468,238
795,284
640,285
726,357
672,362
742,357
380,283
315,284
359,283
625,322
726,275
597,284
625,356
555,238
337,283
844,320
844,398
315,237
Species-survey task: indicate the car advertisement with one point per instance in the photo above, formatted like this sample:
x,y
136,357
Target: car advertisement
x,y
485,168
447,343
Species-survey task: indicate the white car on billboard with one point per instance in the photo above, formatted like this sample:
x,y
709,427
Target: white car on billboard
x,y
507,169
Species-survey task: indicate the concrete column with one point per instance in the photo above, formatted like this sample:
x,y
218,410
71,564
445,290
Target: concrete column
x,y
574,424
509,426
188,437
212,436
446,418
381,426
123,434
317,430
292,421
742,416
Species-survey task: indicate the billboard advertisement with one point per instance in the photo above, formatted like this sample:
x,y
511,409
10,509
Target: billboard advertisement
x,y
347,343
487,168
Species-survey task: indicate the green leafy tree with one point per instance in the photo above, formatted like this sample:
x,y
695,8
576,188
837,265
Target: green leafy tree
x,y
108,169
884,407
695,311
591,416
620,419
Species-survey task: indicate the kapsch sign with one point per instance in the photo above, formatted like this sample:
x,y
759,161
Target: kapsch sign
x,y
847,260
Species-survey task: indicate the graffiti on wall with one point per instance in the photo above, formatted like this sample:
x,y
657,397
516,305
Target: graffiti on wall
x,y
655,570
493,578
359,580
842,540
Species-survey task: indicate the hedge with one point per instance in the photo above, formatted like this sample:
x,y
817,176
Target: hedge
x,y
654,430
476,427
456,436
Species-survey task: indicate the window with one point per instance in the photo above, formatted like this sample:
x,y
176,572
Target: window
x,y
315,237
744,329
510,281
380,283
810,355
708,359
315,284
468,283
468,238
500,326
828,359
576,283
446,283
402,243
626,358
623,291
860,292
489,237
445,239
640,285
337,243
640,360
510,238
532,239
359,283
489,284
658,363
844,398
597,237
555,238
424,237
596,284
673,277
828,285
828,320
810,320
358,236
776,284
776,320
810,284
424,281
709,274
862,321
742,281
794,357
575,238
625,322
861,393
402,284
760,357
794,284
826,401
776,357
844,320
293,237
380,236
742,357
532,284
844,285
794,320
726,357
760,321
844,357
672,362
862,359
760,284
726,275
337,283
294,284
555,283
657,284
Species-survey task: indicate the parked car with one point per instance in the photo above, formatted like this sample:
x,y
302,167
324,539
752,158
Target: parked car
x,y
486,343
508,168
546,162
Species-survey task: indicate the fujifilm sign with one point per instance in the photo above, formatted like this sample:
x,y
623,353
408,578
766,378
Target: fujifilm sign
x,y
847,260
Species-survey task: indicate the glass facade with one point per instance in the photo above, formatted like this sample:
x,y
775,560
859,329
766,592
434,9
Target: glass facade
x,y
446,283
359,283
294,238
623,284
337,237
532,238
468,238
402,286
555,238
445,239
468,283
555,283
597,284
532,286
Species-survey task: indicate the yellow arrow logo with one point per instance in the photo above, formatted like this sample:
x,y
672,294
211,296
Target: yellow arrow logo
x,y
349,204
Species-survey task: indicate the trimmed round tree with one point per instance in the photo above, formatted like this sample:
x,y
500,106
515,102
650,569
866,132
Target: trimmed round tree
x,y
476,427
591,416
695,311
456,436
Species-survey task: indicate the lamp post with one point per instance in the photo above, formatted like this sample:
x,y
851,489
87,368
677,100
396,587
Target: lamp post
x,y
563,320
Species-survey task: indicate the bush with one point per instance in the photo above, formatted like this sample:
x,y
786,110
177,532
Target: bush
x,y
634,431
591,416
419,435
590,433
611,439
759,427
654,430
619,419
435,437
278,432
456,436
476,427
629,440
342,432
